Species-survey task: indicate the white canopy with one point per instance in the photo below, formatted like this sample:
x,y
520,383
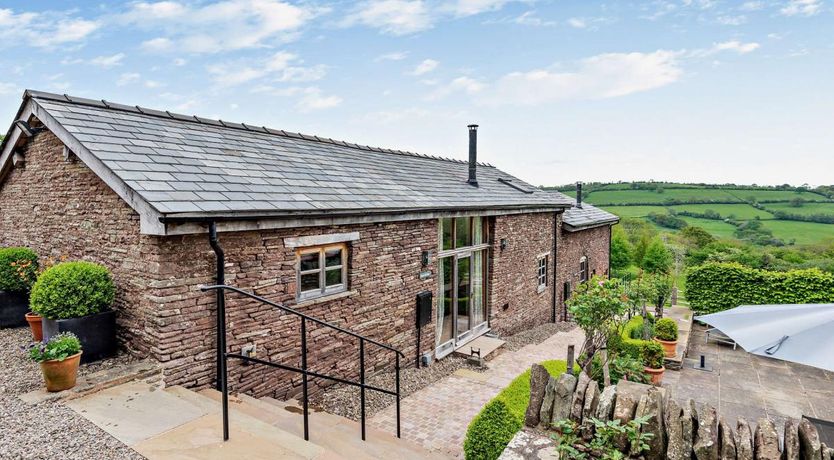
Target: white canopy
x,y
799,333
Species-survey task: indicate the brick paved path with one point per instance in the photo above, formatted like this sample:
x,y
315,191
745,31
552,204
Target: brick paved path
x,y
437,416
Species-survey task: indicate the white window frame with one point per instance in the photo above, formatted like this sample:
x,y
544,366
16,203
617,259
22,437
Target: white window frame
x,y
323,290
583,269
542,269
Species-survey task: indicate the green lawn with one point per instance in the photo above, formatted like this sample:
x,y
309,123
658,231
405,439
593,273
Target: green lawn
x,y
647,196
782,195
801,232
806,209
740,211
718,228
635,211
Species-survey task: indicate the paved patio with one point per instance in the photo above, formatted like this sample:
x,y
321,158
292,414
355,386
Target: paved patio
x,y
750,386
437,416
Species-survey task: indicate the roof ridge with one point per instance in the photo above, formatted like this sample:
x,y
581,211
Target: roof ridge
x,y
30,93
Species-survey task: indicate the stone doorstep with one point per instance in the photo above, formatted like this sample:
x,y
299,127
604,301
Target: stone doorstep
x,y
489,346
145,371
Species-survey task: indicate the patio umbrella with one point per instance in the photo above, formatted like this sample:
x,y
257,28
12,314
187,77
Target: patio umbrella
x,y
802,334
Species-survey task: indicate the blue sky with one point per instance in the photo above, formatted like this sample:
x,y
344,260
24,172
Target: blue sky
x,y
688,90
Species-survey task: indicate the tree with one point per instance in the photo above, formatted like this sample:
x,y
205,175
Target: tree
x,y
697,236
621,251
597,306
658,259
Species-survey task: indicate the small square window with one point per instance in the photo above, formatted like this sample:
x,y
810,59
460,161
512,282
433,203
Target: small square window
x,y
321,271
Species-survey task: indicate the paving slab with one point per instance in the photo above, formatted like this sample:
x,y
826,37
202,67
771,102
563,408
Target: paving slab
x,y
135,411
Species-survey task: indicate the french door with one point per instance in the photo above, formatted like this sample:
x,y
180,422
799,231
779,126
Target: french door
x,y
462,283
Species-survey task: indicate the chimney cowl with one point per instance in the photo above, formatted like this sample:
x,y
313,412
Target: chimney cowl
x,y
579,195
473,155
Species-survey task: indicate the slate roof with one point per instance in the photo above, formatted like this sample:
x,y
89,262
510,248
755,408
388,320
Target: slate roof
x,y
586,217
187,165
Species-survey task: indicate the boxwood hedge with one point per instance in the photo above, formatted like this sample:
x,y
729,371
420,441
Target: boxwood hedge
x,y
18,269
72,290
715,287
501,418
627,344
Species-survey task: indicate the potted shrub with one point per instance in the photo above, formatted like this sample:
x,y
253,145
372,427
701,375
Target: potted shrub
x,y
653,362
18,270
59,358
666,332
76,297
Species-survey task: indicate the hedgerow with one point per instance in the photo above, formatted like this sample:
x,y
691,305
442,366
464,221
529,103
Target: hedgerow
x,y
716,287
18,269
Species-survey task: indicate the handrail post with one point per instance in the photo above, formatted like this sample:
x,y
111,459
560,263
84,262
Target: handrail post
x,y
222,376
306,402
362,381
397,367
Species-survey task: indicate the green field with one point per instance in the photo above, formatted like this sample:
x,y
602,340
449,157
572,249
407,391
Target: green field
x,y
718,228
806,209
773,195
634,211
800,232
648,196
739,211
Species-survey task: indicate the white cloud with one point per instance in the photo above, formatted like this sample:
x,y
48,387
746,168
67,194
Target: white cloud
x,y
7,88
215,27
752,6
465,85
472,7
577,23
428,65
598,77
277,67
732,45
394,17
128,78
308,98
44,29
180,62
152,84
728,20
394,56
802,8
108,61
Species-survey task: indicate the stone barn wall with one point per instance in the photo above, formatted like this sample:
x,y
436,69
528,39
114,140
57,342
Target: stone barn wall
x,y
592,243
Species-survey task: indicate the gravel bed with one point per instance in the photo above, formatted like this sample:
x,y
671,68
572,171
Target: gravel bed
x,y
344,400
535,335
48,430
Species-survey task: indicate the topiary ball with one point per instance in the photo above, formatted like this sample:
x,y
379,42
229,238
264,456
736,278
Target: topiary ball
x,y
666,329
18,269
72,290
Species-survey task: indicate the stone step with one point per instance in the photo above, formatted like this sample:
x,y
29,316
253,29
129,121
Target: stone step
x,y
332,432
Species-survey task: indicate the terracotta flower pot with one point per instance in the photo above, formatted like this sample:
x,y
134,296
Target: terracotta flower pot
x,y
35,324
670,347
60,375
655,374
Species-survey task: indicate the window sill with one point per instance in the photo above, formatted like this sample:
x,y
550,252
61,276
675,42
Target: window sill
x,y
324,298
541,289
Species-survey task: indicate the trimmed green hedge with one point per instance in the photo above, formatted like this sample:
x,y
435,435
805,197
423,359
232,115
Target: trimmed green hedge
x,y
501,418
626,344
18,269
716,287
72,290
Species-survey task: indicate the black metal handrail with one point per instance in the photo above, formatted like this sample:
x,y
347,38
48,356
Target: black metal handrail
x,y
224,355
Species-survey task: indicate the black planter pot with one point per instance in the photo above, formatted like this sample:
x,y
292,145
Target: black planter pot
x,y
13,306
97,333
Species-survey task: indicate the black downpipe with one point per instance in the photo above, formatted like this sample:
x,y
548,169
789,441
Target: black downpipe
x,y
221,383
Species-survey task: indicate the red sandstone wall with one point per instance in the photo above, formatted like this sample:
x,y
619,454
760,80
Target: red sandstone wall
x,y
592,243
61,208
515,301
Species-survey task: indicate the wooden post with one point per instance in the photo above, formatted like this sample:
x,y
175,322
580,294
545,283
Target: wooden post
x,y
606,377
570,359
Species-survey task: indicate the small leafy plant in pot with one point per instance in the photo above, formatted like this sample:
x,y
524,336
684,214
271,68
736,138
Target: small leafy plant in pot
x,y
18,270
666,332
76,297
59,358
653,361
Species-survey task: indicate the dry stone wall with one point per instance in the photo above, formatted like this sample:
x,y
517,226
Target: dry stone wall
x,y
680,432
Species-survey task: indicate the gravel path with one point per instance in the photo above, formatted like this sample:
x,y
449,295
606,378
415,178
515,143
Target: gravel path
x,y
344,400
48,430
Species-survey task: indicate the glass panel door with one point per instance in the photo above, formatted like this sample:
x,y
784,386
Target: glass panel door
x,y
477,303
445,301
463,290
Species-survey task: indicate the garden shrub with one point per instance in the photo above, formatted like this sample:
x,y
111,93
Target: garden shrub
x,y
666,329
501,418
619,367
18,269
71,290
716,287
625,344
